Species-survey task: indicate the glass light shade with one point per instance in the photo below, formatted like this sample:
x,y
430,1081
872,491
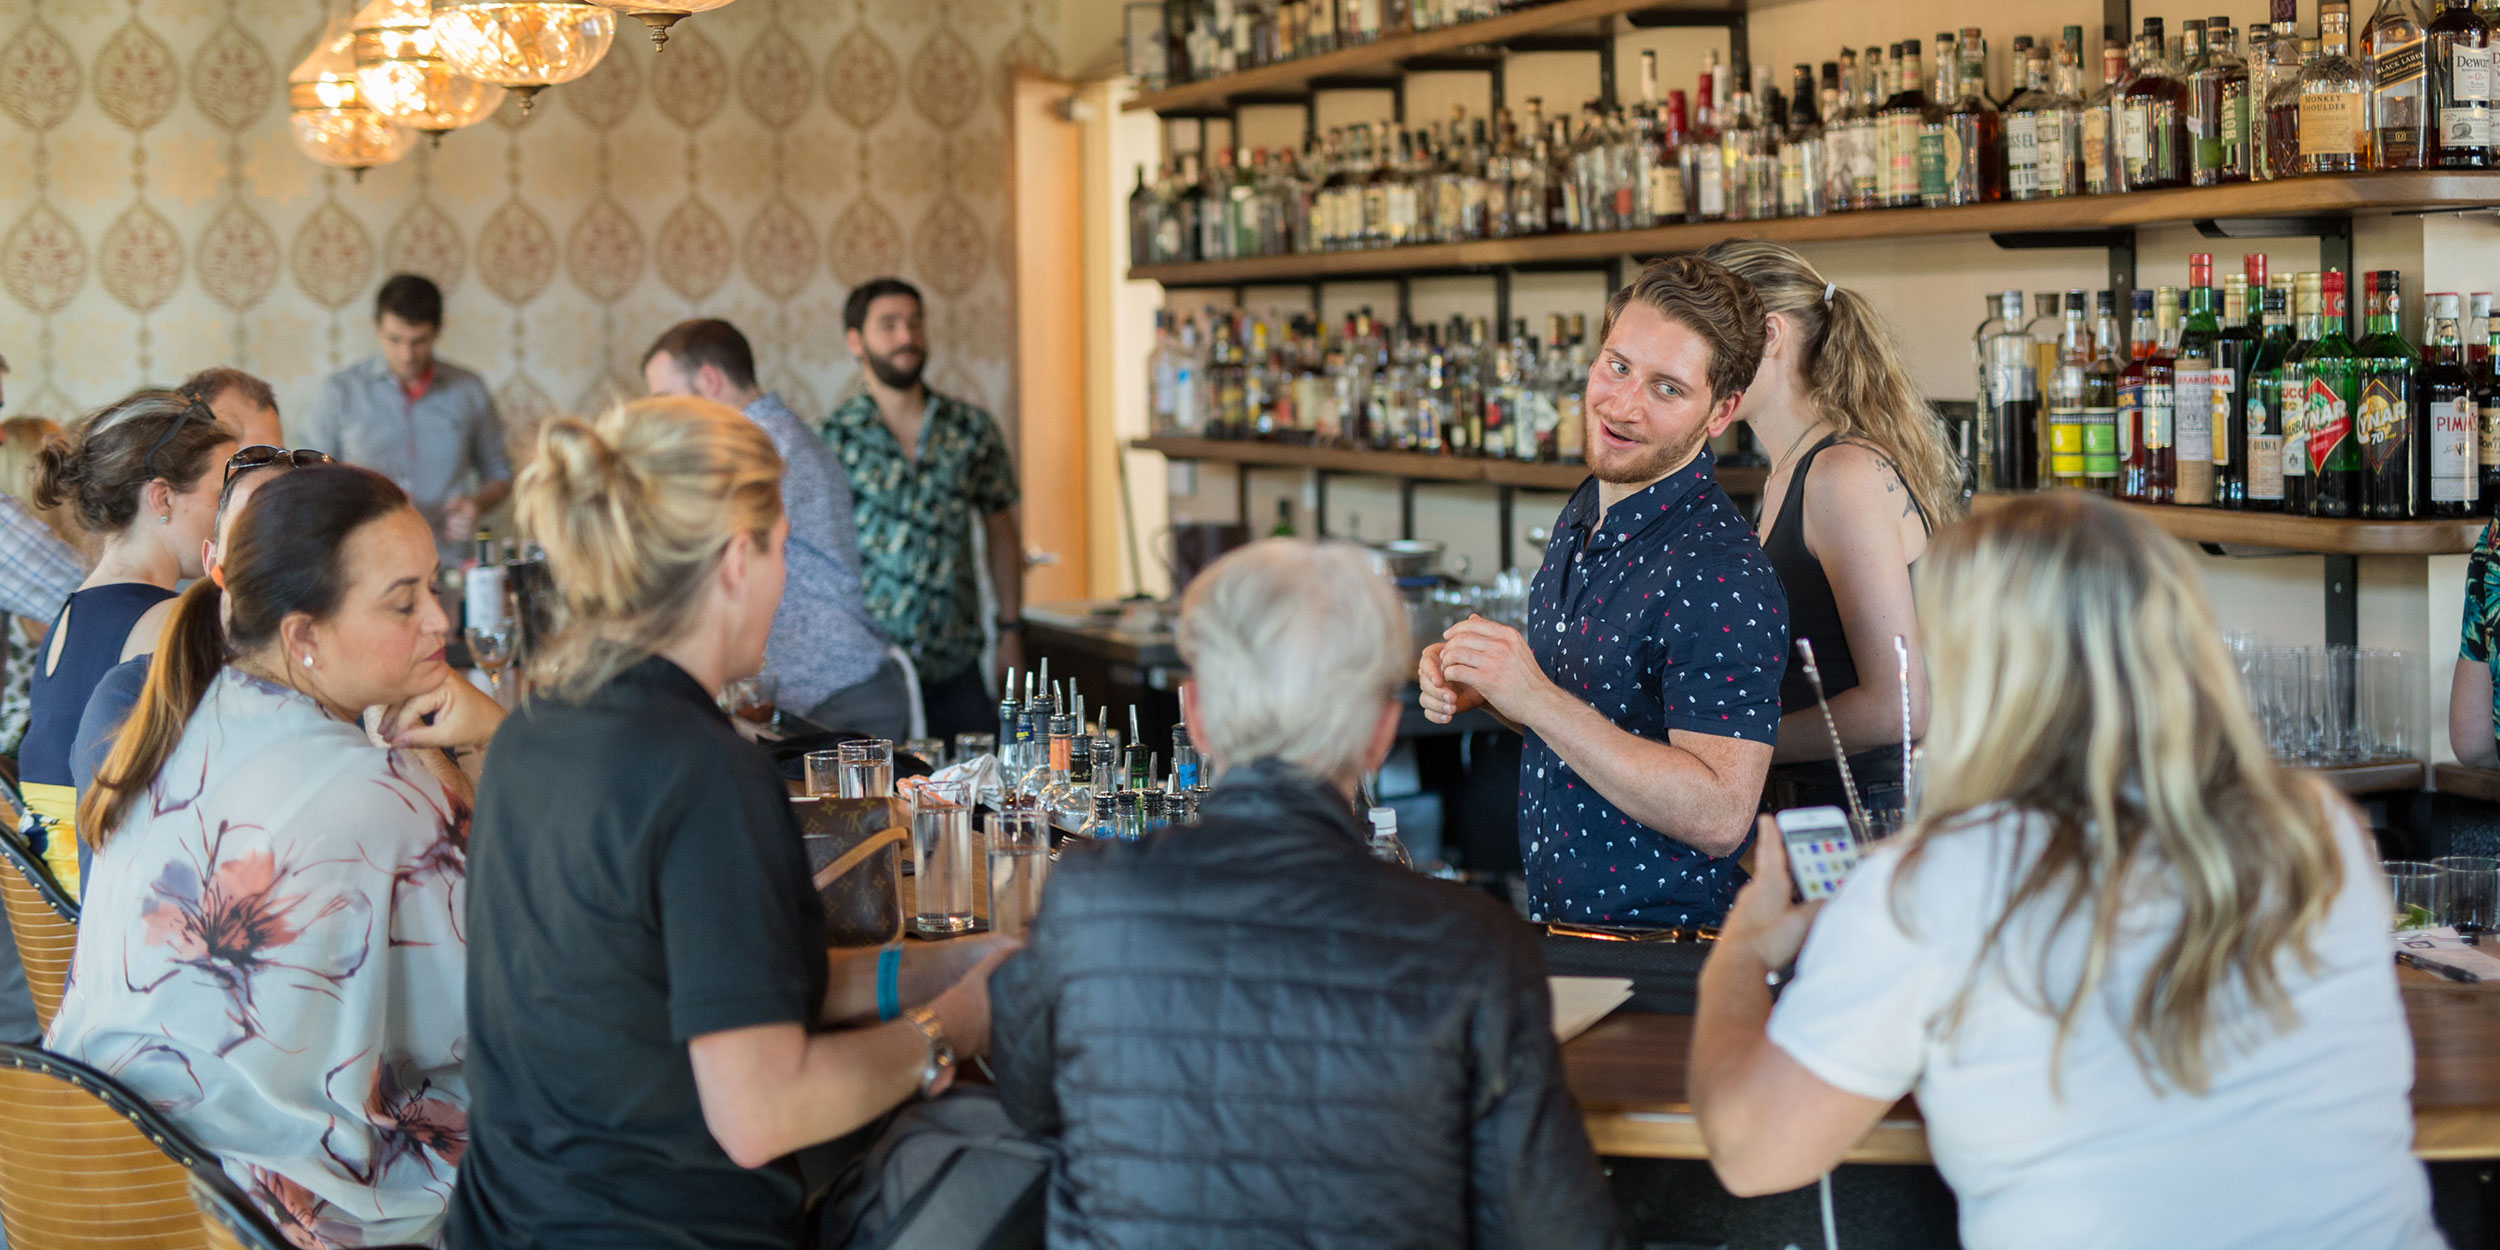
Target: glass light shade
x,y
661,15
523,44
327,110
404,76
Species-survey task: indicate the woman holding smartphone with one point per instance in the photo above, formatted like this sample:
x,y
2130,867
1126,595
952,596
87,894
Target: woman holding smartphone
x,y
2136,971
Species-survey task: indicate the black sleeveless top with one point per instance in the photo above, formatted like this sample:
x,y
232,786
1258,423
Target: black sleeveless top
x,y
1814,615
100,618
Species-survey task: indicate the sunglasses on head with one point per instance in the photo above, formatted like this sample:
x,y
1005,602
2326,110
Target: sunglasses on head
x,y
196,409
263,456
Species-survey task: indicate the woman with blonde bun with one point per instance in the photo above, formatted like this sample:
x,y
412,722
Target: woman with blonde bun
x,y
1859,476
2135,970
656,1024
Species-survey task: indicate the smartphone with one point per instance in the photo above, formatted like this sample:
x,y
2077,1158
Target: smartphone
x,y
1822,848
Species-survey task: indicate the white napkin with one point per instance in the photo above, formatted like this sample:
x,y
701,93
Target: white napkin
x,y
1580,1002
983,771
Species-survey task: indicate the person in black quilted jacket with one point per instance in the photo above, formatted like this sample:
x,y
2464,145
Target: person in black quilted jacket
x,y
1249,1032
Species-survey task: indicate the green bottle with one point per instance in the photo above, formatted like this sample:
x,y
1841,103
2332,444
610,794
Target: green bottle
x,y
2193,389
2262,403
2333,368
2387,422
2300,484
1284,520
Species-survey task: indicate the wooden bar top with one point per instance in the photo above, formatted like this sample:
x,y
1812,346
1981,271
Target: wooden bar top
x,y
1629,1075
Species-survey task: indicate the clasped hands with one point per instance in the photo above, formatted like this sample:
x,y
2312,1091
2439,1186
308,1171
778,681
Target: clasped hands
x,y
1478,662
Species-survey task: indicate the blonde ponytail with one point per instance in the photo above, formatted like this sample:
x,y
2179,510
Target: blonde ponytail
x,y
634,509
1853,370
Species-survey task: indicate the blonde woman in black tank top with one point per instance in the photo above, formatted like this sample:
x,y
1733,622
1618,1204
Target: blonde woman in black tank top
x,y
1859,475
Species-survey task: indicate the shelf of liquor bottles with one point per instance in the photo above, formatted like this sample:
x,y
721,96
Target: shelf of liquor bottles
x,y
2224,527
1406,465
1382,55
2286,206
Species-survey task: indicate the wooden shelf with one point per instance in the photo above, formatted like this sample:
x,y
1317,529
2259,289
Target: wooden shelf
x,y
2387,777
2248,203
1413,466
1382,58
2278,532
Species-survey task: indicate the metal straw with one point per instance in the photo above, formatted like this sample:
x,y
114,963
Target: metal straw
x,y
1901,653
1848,784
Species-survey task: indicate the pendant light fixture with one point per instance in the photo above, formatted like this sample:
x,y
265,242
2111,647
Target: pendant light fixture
x,y
659,15
526,45
327,110
401,69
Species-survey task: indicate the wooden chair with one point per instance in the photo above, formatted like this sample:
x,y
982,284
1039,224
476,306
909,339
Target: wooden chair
x,y
84,1164
42,918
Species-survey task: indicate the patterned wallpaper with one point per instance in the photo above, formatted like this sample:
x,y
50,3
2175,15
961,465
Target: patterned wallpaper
x,y
155,216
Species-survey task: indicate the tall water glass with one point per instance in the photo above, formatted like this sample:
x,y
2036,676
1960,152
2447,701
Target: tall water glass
x,y
1019,864
945,857
867,768
824,773
2469,892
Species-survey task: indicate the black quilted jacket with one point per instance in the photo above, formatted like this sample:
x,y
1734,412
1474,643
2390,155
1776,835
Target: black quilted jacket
x,y
1251,1033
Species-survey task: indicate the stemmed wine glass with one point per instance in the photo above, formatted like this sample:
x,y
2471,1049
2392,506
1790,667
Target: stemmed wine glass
x,y
490,647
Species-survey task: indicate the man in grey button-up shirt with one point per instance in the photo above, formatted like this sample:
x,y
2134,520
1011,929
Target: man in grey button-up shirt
x,y
824,651
427,424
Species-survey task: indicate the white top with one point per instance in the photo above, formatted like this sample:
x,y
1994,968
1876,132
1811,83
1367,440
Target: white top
x,y
2303,1139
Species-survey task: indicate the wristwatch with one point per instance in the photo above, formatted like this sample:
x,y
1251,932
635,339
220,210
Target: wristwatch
x,y
1009,625
939,1072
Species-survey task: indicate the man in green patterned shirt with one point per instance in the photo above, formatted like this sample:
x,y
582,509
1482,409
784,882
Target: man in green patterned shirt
x,y
924,468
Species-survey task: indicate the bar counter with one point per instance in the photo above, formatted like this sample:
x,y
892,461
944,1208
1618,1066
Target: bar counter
x,y
1629,1074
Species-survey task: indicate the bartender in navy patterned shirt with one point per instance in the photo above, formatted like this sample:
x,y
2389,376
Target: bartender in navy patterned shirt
x,y
1647,684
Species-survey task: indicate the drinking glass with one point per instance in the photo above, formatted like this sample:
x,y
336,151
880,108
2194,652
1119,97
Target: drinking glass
x,y
2415,886
824,773
945,859
1019,864
1185,758
929,751
756,699
867,768
490,648
2469,892
974,746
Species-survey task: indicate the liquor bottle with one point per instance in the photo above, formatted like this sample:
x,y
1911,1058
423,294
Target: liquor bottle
x,y
2100,402
2334,97
2284,158
2009,440
1705,177
2388,421
2242,333
2160,404
1527,176
2271,50
2454,481
2153,121
2393,48
1867,162
2070,390
1145,215
2487,399
1802,150
2218,82
2261,403
2030,111
2142,341
1934,130
1974,131
2300,485
2100,123
2192,393
1904,118
2478,311
2460,56
2333,372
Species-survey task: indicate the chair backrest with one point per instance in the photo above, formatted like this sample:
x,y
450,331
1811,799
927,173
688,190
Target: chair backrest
x,y
44,921
84,1164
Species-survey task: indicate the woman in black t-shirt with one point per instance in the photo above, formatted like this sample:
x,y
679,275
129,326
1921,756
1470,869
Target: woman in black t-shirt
x,y
1859,475
650,997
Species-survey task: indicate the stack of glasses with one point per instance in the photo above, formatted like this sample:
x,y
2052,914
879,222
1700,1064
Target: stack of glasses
x,y
2328,706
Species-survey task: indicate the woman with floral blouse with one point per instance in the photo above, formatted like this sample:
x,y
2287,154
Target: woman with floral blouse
x,y
272,948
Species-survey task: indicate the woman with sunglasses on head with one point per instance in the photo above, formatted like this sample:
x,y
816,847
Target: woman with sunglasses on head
x,y
2136,971
273,948
143,474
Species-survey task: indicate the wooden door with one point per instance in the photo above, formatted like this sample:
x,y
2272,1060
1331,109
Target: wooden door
x,y
1046,189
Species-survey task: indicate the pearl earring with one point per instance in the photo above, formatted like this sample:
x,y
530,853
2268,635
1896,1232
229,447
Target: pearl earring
x,y
165,518
308,659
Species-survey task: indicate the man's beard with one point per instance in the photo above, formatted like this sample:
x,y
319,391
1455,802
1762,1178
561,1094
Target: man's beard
x,y
1640,468
894,375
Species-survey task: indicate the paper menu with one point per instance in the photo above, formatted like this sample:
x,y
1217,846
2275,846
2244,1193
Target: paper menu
x,y
1580,1002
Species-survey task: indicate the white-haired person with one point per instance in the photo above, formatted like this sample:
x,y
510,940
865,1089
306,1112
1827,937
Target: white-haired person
x,y
2136,972
1249,1032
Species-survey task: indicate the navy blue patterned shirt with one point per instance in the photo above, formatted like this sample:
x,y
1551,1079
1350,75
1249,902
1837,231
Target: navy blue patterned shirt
x,y
1662,614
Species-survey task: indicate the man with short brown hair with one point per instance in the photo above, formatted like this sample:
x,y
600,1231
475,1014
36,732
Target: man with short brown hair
x,y
1647,682
245,403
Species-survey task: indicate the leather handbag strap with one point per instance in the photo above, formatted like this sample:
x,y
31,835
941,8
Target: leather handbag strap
x,y
857,855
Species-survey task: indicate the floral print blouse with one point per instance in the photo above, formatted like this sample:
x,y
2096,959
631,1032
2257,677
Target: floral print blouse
x,y
272,953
